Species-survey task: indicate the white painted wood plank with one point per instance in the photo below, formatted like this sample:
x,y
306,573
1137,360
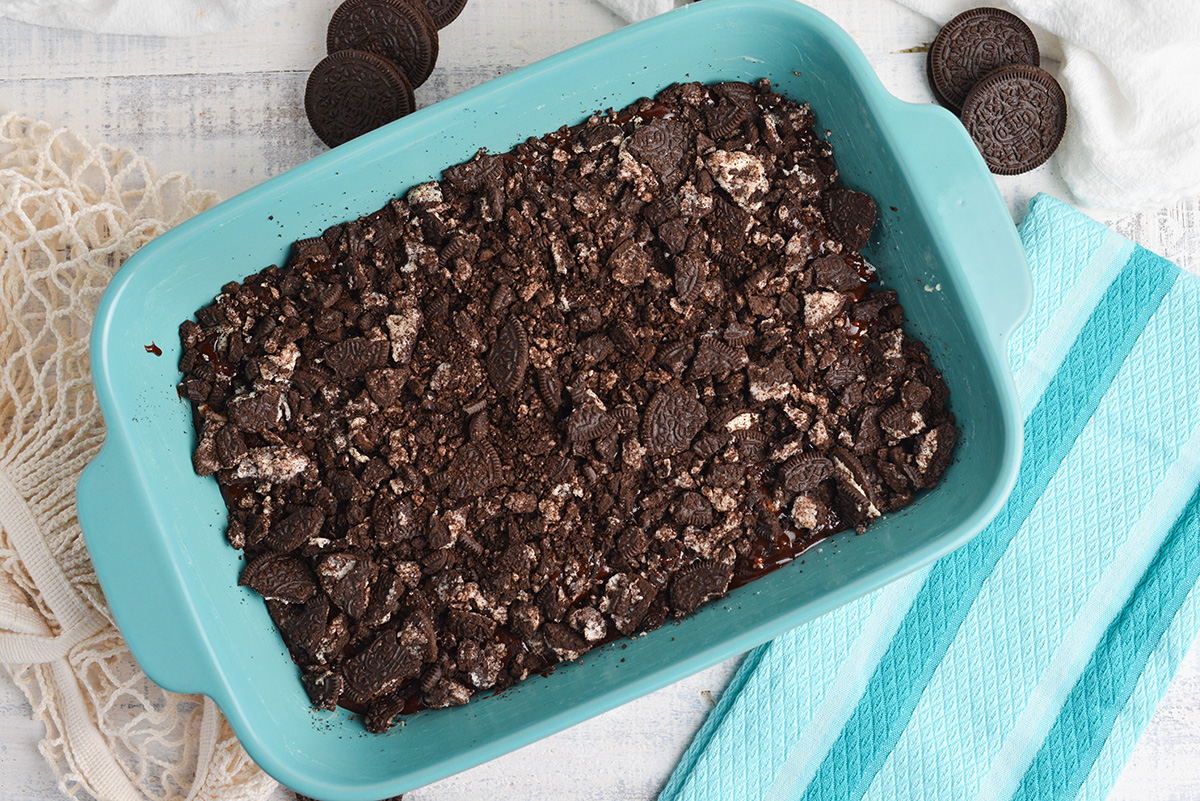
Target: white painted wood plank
x,y
625,754
1163,766
24,774
228,132
292,38
231,131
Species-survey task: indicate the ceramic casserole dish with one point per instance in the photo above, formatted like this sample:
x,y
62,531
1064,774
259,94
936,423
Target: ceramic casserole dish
x,y
155,529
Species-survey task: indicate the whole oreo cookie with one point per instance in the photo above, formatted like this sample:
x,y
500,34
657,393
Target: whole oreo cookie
x,y
351,92
400,30
1017,116
973,44
444,11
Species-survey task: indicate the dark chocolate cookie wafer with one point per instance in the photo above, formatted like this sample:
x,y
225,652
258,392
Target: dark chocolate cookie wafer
x,y
850,215
351,92
400,30
973,44
1016,115
444,11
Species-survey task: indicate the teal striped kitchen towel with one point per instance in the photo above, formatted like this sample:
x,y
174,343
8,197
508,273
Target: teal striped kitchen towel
x,y
1025,664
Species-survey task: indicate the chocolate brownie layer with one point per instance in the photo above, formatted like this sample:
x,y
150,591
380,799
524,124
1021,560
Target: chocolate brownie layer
x,y
562,395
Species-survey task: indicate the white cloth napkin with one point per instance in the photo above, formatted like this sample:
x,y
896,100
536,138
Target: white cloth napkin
x,y
150,17
1131,72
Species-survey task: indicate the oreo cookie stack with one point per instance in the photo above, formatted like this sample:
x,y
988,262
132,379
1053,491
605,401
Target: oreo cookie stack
x,y
379,51
983,65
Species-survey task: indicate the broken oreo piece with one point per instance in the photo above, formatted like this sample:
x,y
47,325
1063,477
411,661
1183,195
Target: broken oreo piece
x,y
509,357
379,669
673,419
851,216
295,529
697,583
280,577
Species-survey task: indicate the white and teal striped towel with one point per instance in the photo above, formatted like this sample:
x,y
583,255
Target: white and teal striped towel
x,y
1025,664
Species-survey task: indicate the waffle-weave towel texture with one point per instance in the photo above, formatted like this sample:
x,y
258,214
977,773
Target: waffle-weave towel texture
x,y
1025,664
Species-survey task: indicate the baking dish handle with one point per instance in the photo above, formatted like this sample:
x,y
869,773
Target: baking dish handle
x,y
139,578
975,227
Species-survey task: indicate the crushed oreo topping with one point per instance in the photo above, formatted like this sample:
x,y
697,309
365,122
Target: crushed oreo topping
x,y
561,396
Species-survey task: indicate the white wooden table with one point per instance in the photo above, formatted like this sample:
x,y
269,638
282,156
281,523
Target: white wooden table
x,y
228,110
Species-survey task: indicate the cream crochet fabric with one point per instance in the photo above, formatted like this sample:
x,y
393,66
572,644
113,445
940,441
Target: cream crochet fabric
x,y
70,215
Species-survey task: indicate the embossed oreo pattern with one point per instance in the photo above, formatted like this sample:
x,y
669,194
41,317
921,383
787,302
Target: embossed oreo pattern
x,y
351,92
673,419
973,44
444,11
399,30
1016,116
509,357
852,216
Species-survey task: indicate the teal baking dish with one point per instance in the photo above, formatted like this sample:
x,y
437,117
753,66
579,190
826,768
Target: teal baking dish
x,y
155,529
